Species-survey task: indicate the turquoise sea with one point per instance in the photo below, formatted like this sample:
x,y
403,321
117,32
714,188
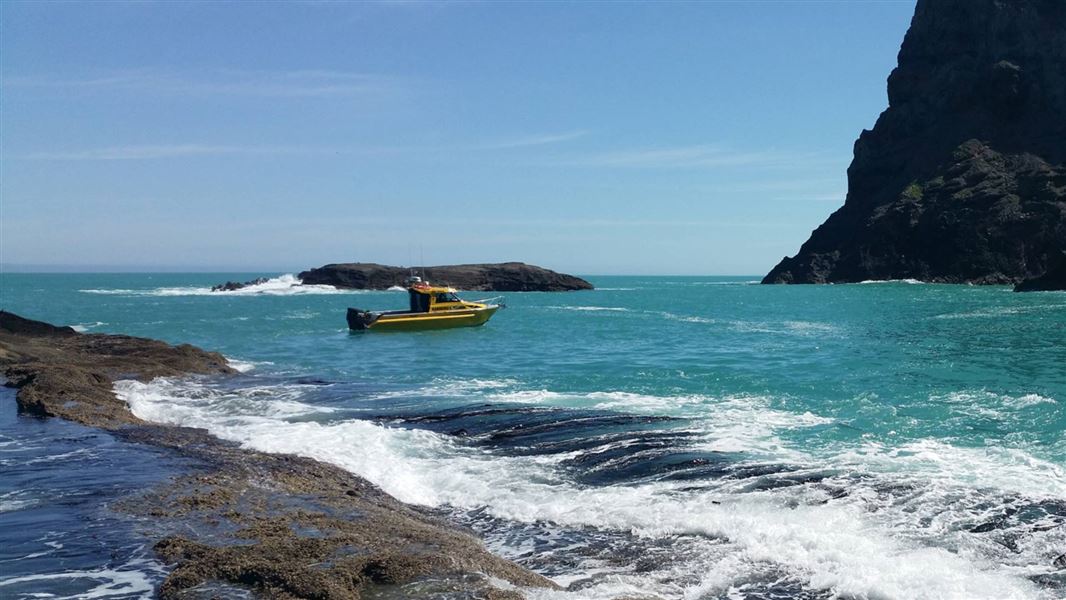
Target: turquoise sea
x,y
678,437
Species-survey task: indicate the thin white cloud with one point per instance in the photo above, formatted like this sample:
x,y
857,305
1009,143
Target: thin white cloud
x,y
696,156
535,140
294,84
563,223
151,151
789,185
170,151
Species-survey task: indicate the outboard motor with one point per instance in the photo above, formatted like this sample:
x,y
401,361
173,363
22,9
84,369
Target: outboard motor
x,y
360,320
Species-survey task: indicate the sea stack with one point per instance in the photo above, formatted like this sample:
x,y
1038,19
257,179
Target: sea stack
x,y
963,177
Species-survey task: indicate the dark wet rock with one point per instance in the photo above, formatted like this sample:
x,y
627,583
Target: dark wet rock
x,y
62,373
232,286
1053,280
1060,562
281,525
294,527
499,277
963,177
10,323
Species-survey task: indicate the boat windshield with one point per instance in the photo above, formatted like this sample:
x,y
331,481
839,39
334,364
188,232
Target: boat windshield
x,y
447,297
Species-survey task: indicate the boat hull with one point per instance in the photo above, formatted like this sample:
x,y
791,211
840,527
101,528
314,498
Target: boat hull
x,y
363,321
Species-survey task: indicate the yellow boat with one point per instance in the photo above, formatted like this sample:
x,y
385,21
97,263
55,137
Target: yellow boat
x,y
432,307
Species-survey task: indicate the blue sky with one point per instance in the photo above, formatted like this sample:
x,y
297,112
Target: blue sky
x,y
597,138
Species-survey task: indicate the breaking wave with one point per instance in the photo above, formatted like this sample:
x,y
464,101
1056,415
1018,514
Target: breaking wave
x,y
724,502
907,281
284,285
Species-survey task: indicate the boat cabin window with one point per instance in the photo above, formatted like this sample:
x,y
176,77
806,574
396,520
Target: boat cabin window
x,y
419,302
448,297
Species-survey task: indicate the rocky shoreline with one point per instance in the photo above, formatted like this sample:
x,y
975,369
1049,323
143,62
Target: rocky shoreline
x,y
279,525
1052,281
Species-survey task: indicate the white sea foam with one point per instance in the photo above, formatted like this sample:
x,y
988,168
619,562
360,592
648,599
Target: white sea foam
x,y
810,326
683,318
653,313
129,580
877,281
748,424
745,424
449,388
1001,311
83,327
16,500
840,546
284,285
1006,469
47,458
200,403
986,404
592,308
985,397
242,366
790,328
741,424
1029,400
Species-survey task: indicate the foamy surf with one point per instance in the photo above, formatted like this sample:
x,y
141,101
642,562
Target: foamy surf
x,y
284,285
879,281
126,581
874,541
591,308
240,366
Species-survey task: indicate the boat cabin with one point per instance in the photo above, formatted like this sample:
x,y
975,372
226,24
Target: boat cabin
x,y
426,298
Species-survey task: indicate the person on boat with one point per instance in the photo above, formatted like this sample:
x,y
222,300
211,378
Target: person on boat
x,y
419,300
419,297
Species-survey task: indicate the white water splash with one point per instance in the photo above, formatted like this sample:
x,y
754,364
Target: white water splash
x,y
841,546
284,285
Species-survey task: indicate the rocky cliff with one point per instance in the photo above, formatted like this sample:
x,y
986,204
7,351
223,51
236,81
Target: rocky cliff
x,y
963,177
500,277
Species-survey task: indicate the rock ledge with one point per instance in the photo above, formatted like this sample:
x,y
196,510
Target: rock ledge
x,y
280,525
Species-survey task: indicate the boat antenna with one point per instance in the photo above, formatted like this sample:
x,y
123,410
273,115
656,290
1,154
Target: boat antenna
x,y
422,259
